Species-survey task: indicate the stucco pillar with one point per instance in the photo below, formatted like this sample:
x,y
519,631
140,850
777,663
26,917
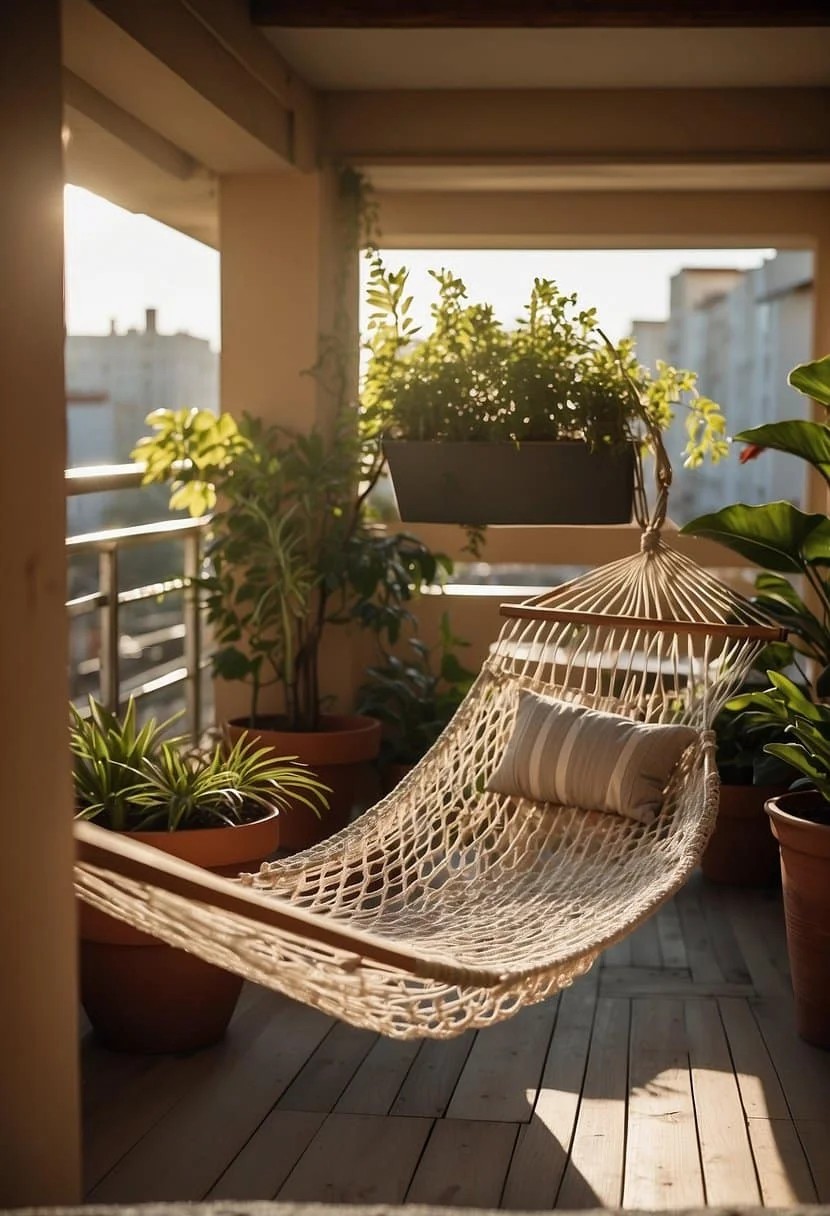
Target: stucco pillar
x,y
287,279
39,1124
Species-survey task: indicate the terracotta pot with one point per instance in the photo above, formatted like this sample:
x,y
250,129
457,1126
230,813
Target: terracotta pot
x,y
805,873
143,996
499,482
741,851
393,775
335,753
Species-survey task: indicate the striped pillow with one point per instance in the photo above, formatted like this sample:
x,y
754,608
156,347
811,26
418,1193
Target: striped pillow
x,y
582,757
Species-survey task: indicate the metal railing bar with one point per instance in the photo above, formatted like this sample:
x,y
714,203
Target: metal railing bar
x,y
146,533
100,478
150,590
82,605
108,614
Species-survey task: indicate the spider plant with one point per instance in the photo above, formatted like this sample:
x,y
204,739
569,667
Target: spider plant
x,y
136,780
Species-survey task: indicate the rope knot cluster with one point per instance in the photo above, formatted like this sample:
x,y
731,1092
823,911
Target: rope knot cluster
x,y
650,540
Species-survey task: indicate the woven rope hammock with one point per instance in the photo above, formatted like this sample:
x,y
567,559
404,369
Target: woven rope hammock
x,y
445,906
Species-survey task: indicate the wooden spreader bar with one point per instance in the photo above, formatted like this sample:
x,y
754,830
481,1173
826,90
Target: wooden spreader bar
x,y
112,851
566,616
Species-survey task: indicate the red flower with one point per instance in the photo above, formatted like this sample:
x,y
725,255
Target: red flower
x,y
751,452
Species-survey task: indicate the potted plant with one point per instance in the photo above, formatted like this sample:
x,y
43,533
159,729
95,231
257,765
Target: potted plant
x,y
216,808
293,551
414,698
530,425
741,851
787,541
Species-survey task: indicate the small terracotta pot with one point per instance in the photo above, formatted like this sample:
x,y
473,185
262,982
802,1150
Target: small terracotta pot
x,y
335,754
805,874
144,996
741,852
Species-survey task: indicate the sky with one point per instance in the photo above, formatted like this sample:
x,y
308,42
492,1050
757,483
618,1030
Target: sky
x,y
118,264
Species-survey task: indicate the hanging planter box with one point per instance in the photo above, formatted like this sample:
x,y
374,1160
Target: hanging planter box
x,y
564,482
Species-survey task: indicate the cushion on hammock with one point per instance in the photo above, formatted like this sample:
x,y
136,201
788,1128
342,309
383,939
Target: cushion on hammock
x,y
582,757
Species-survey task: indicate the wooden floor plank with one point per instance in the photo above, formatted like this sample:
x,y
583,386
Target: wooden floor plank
x,y
645,945
728,1167
430,1082
783,1173
648,981
321,1081
268,1158
594,1175
540,1157
758,923
375,1085
703,964
815,1136
146,1097
464,1164
761,1092
662,1167
722,937
358,1159
216,1117
804,1071
670,935
618,955
501,1075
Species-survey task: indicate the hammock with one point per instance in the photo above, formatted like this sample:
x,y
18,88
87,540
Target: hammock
x,y
446,906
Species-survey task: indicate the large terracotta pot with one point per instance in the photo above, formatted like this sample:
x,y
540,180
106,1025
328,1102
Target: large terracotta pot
x,y
805,874
143,996
741,851
336,754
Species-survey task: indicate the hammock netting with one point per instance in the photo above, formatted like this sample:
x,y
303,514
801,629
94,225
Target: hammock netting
x,y
445,906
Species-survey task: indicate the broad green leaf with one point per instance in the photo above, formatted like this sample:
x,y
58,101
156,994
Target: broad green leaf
x,y
813,380
796,436
775,535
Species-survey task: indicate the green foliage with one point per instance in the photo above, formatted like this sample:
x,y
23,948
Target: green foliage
x,y
415,698
133,780
804,722
553,376
292,545
786,541
741,748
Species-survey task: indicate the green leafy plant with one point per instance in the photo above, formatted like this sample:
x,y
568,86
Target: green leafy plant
x,y
805,723
787,541
132,779
741,740
553,376
784,540
292,544
415,697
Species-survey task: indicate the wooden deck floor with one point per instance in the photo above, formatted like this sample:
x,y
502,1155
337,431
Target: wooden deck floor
x,y
669,1077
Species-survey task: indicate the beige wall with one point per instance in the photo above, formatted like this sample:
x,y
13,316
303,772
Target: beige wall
x,y
282,273
39,1150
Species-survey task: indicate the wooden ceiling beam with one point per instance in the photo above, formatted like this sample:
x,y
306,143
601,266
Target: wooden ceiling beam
x,y
518,14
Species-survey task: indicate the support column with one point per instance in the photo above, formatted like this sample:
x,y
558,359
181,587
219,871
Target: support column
x,y
817,495
39,1116
283,279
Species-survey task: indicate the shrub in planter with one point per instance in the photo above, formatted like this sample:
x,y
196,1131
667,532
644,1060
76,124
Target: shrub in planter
x,y
741,851
293,552
414,697
789,542
534,424
216,808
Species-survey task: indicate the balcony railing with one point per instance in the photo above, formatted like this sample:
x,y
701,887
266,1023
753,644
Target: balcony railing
x,y
108,599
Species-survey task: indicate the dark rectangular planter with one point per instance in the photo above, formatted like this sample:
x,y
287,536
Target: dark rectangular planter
x,y
438,481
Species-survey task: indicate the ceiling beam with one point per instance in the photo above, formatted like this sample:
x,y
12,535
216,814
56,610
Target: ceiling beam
x,y
489,14
217,53
130,130
577,126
